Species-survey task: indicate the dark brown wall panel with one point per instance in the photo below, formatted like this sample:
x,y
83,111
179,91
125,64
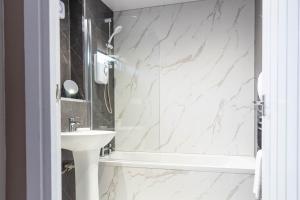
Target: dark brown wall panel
x,y
15,100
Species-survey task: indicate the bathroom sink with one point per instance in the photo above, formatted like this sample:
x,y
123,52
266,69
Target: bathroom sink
x,y
85,140
85,145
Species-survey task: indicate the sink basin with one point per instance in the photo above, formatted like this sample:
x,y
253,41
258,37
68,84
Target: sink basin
x,y
85,146
85,140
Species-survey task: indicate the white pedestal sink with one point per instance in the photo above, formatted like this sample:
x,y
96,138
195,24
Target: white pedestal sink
x,y
85,145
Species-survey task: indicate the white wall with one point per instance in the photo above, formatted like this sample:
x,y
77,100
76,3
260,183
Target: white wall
x,y
2,107
186,84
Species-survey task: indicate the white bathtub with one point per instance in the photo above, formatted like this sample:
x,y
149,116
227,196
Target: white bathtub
x,y
189,162
163,176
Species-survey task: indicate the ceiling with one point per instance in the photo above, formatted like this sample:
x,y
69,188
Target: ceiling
x,y
118,5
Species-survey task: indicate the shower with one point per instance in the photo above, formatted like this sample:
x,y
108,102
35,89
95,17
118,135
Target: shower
x,y
110,47
117,30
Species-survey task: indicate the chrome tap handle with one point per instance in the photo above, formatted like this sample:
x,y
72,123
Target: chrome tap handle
x,y
73,124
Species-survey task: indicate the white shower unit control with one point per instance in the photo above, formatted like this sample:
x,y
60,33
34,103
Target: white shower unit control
x,y
101,66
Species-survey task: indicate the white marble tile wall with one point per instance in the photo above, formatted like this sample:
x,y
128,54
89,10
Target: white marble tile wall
x,y
137,81
123,183
186,83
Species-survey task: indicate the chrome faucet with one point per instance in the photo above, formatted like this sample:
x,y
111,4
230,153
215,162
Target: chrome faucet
x,y
106,150
73,124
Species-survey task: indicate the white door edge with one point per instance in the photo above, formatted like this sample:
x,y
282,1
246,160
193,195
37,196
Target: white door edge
x,y
41,30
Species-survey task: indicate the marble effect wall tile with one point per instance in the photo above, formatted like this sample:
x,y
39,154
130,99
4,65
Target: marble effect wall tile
x,y
98,12
122,183
137,81
74,109
207,77
187,82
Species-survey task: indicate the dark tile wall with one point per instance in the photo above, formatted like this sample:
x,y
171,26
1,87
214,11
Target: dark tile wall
x,y
71,109
98,12
71,44
72,61
65,57
68,178
74,109
76,44
72,68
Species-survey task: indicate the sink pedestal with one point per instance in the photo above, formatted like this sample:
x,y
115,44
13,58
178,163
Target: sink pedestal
x,y
86,174
85,145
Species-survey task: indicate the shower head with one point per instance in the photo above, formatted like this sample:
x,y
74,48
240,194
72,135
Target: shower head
x,y
117,30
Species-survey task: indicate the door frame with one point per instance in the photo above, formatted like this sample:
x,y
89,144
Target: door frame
x,y
281,124
42,61
281,157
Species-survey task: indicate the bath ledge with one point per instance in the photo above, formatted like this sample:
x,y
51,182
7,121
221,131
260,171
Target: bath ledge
x,y
188,162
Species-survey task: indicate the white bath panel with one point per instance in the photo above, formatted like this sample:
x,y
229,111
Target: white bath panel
x,y
121,183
